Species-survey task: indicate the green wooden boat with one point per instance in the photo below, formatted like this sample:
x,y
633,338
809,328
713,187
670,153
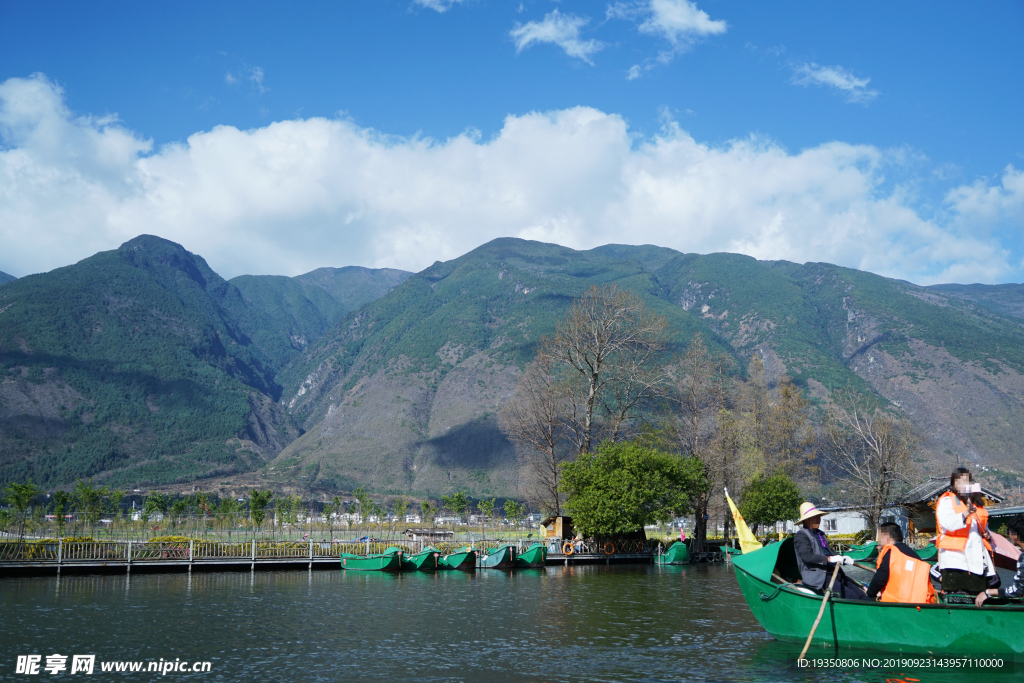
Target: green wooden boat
x,y
461,559
787,612
424,560
502,557
863,553
532,557
385,562
677,553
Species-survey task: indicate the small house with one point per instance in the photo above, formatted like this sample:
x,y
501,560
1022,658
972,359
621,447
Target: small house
x,y
430,535
557,527
843,520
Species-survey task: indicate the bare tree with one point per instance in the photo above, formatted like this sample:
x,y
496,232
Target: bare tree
x,y
698,397
872,447
607,343
535,420
787,436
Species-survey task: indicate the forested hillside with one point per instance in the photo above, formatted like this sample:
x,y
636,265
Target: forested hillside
x,y
142,365
403,394
5,278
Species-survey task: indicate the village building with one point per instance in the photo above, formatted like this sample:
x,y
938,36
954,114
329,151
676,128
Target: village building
x,y
430,535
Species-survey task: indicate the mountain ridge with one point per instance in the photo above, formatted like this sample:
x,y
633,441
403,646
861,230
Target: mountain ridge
x,y
143,365
418,376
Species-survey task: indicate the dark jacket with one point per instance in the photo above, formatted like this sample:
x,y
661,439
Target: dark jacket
x,y
1017,589
811,556
881,577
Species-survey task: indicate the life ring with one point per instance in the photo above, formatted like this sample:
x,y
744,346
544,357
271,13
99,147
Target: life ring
x,y
609,548
567,548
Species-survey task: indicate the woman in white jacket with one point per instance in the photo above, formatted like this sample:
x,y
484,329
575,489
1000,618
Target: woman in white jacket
x,y
961,522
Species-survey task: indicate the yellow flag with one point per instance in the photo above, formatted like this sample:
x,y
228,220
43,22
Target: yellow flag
x,y
748,542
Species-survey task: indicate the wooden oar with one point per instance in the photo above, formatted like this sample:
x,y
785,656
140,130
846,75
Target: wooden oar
x,y
824,601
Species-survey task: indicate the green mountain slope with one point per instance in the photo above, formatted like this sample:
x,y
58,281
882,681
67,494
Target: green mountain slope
x,y
142,365
282,315
1006,299
128,363
402,394
5,278
352,286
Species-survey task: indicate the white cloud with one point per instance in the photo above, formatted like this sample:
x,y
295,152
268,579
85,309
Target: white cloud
x,y
230,79
300,194
438,5
256,78
560,29
853,88
680,22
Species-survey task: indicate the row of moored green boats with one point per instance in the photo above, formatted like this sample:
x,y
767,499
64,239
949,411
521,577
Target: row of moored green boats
x,y
394,559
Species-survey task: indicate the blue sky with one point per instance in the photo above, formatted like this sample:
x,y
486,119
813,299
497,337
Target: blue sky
x,y
276,138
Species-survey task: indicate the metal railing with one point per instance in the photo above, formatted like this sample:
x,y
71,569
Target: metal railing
x,y
591,546
191,551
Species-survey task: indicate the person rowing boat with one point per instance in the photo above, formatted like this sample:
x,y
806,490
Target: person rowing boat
x,y
816,560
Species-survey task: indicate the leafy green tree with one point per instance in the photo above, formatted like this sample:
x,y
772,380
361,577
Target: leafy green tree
x,y
155,503
377,513
624,486
258,502
457,503
514,511
228,510
365,503
427,512
114,500
486,508
89,501
61,506
179,508
769,500
19,497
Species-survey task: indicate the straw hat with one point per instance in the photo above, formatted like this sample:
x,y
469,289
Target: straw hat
x,y
808,511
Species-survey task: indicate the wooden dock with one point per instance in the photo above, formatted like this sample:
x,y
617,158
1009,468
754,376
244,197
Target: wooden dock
x,y
56,557
600,558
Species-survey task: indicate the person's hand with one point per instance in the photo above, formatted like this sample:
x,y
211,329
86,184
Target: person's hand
x,y
982,597
847,560
835,559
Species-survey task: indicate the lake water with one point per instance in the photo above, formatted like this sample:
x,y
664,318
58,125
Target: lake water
x,y
588,623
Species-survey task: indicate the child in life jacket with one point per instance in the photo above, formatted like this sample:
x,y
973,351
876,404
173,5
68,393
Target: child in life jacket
x,y
901,575
1016,535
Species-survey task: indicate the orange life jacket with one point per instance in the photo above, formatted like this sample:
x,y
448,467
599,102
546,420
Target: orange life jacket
x,y
957,539
908,578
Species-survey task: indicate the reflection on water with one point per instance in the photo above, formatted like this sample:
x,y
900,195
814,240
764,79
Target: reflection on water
x,y
619,623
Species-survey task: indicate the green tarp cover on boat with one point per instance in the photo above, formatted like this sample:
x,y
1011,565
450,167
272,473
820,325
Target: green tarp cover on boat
x,y
762,562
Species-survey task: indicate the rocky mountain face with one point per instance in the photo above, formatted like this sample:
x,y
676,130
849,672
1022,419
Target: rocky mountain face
x,y
142,365
402,395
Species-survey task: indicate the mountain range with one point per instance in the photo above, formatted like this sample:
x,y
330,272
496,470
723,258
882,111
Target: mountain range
x,y
141,366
